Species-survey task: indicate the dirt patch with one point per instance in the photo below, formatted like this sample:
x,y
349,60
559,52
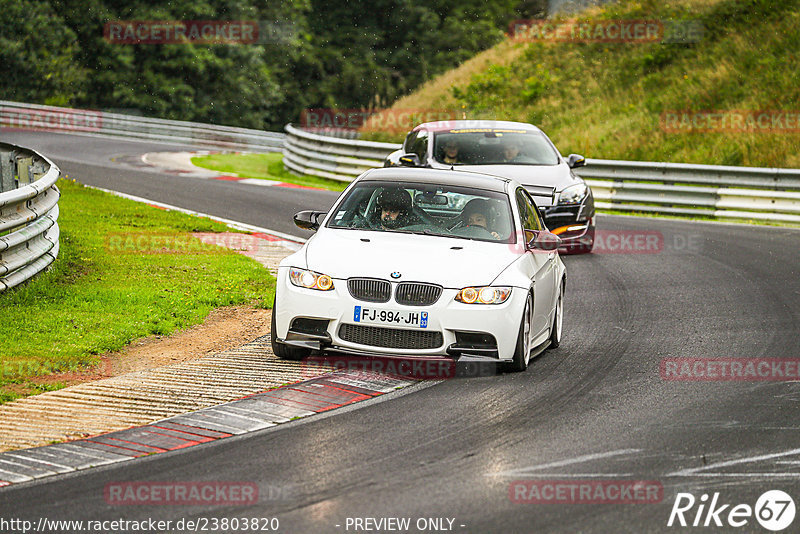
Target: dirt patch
x,y
223,329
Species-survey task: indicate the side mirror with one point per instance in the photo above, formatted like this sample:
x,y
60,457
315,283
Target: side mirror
x,y
409,160
309,220
543,240
576,160
392,159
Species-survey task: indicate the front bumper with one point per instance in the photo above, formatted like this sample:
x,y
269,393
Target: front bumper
x,y
574,232
573,223
446,317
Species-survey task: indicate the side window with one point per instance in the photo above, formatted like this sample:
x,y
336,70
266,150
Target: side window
x,y
523,214
528,212
535,212
409,142
419,146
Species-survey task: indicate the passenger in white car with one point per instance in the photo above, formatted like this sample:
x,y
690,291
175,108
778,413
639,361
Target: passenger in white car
x,y
477,212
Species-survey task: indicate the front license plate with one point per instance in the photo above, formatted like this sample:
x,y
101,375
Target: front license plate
x,y
363,314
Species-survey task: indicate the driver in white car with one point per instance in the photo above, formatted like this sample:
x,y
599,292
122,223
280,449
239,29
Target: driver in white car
x,y
395,208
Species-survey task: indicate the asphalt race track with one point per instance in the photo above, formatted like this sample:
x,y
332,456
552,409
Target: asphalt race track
x,y
88,159
597,408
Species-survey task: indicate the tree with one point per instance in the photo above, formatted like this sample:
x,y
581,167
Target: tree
x,y
38,55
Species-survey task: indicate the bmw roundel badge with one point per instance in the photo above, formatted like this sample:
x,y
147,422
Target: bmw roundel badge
x,y
395,275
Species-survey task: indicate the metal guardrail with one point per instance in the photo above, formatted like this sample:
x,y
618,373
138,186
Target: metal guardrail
x,y
28,214
634,186
685,189
331,157
103,124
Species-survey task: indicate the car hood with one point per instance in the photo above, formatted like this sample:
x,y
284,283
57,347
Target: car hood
x,y
418,258
558,176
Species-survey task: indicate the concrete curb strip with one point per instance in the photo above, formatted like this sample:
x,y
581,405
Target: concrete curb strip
x,y
174,407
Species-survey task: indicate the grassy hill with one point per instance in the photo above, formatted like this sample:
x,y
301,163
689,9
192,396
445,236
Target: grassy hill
x,y
606,100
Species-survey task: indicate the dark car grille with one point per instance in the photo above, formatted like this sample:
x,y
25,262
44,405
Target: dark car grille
x,y
557,215
369,289
414,294
391,338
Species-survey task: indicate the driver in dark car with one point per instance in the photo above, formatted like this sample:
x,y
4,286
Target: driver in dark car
x,y
477,213
395,208
511,151
450,155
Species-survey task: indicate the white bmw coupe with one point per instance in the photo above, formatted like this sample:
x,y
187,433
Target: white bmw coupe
x,y
423,262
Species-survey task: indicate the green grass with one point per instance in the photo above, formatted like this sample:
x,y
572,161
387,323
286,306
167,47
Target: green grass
x,y
605,100
125,271
262,166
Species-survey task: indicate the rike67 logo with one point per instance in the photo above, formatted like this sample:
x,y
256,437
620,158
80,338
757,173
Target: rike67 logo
x,y
774,510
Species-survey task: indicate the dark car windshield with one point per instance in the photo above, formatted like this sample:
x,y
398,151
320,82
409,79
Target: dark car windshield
x,y
492,146
428,209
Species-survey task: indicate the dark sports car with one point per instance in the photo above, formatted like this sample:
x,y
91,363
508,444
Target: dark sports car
x,y
513,150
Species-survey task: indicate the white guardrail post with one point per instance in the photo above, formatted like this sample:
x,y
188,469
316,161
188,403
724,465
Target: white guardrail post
x,y
634,186
28,214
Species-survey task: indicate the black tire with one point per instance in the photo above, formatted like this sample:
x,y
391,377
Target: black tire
x,y
281,350
522,354
558,319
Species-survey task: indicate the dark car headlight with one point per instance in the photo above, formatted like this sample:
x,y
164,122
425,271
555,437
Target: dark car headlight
x,y
573,194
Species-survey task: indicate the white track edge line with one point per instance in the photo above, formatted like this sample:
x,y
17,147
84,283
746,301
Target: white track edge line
x,y
236,225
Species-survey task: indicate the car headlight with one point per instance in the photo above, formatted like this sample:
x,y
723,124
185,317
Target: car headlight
x,y
310,279
483,295
573,194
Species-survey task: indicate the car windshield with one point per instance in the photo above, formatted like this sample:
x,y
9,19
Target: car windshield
x,y
493,146
420,208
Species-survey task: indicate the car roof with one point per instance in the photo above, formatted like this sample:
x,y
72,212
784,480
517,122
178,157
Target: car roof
x,y
475,180
441,126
